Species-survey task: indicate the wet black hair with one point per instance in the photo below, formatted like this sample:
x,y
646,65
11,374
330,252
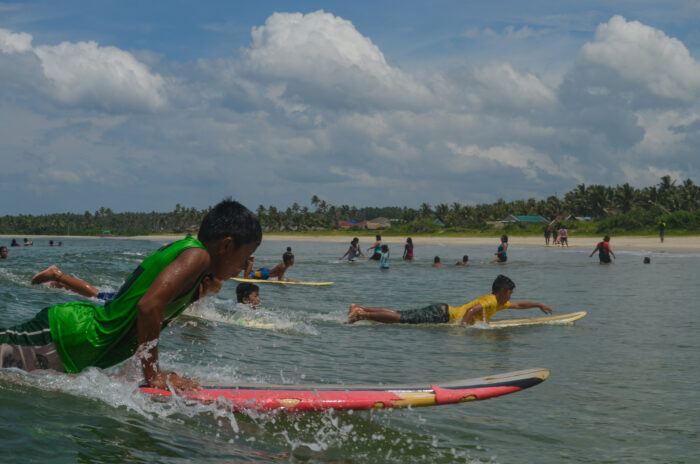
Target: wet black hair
x,y
354,240
289,249
385,248
436,259
504,238
3,248
230,219
502,282
244,290
465,258
606,238
647,259
408,240
287,256
379,237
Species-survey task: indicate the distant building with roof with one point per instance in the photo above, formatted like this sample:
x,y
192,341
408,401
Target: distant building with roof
x,y
378,223
513,219
350,223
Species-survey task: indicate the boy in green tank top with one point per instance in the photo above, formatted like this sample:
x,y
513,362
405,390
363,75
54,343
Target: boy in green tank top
x,y
72,336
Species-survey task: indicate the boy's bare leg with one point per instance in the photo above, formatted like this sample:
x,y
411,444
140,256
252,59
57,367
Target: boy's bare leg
x,y
379,314
54,274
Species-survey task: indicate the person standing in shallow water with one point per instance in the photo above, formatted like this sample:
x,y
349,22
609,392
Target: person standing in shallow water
x,y
408,250
547,234
377,247
604,251
502,251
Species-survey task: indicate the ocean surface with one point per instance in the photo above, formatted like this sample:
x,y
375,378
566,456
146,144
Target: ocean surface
x,y
624,385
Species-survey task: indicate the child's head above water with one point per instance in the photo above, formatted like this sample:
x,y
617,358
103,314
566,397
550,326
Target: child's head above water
x,y
248,293
288,257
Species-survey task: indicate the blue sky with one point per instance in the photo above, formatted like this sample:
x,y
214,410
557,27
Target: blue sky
x,y
138,106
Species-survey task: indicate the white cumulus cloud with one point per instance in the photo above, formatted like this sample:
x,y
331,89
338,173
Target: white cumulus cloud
x,y
84,73
11,42
322,56
644,55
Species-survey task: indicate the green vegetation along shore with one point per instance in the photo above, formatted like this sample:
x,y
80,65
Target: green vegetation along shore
x,y
617,210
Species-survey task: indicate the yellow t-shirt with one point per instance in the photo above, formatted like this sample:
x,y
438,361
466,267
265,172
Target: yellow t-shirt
x,y
488,303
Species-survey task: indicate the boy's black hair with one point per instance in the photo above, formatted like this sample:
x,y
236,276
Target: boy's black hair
x,y
287,257
504,238
465,258
230,219
385,248
436,259
243,290
379,237
502,282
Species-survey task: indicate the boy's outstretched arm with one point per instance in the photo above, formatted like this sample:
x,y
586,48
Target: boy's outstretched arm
x,y
471,312
173,282
530,304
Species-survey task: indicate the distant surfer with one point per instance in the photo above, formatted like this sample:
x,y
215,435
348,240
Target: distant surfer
x,y
408,250
465,260
72,336
377,247
502,251
481,309
278,271
604,251
354,251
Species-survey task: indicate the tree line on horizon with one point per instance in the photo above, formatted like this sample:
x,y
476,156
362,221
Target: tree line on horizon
x,y
622,207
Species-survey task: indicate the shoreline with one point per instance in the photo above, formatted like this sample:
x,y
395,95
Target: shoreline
x,y
622,242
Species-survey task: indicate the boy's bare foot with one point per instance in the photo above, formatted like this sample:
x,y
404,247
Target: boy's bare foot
x,y
49,274
356,313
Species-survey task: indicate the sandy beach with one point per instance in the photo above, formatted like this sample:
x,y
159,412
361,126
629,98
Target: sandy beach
x,y
671,244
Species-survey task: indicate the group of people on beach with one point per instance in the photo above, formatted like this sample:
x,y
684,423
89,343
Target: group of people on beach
x,y
558,233
70,337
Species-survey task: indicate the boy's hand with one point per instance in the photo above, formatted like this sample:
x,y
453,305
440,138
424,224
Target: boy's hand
x,y
546,309
166,381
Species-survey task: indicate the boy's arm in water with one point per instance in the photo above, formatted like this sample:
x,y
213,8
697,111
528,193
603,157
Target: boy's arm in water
x,y
530,304
471,312
170,284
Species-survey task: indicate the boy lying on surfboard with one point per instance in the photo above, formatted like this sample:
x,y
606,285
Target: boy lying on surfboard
x,y
481,309
72,336
264,273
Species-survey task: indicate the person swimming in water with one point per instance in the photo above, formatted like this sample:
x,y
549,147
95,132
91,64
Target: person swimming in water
x,y
465,260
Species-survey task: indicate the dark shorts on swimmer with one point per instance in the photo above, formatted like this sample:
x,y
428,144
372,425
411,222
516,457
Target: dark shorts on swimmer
x,y
434,314
502,259
261,274
604,258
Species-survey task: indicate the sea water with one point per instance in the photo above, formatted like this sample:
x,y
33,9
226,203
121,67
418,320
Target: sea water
x,y
623,386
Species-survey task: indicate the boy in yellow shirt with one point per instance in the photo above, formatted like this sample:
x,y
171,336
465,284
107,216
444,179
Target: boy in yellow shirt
x,y
481,309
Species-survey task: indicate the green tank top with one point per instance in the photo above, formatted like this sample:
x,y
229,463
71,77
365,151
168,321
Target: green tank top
x,y
87,334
